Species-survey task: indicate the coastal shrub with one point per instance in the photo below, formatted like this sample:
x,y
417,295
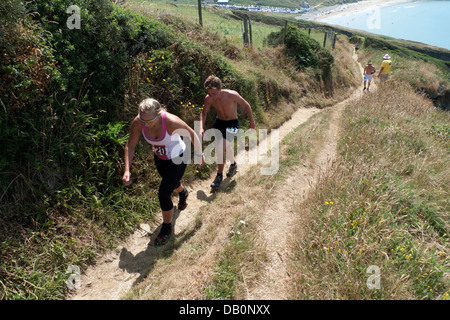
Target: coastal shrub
x,y
306,51
64,85
10,12
357,39
27,73
99,51
377,43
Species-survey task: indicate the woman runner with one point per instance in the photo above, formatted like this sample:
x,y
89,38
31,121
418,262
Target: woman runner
x,y
158,128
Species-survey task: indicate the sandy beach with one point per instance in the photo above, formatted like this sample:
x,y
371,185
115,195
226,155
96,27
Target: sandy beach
x,y
320,14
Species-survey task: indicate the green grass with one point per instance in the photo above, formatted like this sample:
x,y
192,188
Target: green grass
x,y
298,152
229,265
214,20
222,22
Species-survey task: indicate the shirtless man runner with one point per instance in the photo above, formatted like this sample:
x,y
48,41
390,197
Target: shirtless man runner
x,y
369,70
225,102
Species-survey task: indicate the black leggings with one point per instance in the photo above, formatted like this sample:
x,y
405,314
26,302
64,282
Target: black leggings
x,y
171,179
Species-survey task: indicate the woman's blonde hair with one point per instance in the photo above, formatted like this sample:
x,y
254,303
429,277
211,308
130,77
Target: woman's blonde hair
x,y
150,106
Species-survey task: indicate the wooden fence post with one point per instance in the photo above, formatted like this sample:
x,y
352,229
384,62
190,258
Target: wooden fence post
x,y
284,31
245,35
250,30
200,19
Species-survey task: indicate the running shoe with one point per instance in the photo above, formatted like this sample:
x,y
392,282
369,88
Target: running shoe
x,y
164,235
232,170
183,195
217,181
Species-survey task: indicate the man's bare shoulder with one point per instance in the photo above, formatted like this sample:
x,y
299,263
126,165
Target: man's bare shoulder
x,y
232,95
230,92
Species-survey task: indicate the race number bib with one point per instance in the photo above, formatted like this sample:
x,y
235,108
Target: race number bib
x,y
161,151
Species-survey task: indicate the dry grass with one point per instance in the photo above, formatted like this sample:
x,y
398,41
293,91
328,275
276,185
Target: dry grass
x,y
383,203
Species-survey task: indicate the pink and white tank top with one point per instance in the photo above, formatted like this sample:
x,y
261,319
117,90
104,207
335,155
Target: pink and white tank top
x,y
168,146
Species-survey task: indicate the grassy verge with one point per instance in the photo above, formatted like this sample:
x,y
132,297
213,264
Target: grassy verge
x,y
383,204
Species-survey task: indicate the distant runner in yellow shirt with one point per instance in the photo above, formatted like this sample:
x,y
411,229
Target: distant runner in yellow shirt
x,y
385,69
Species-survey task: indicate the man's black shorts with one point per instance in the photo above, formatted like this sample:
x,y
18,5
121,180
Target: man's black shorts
x,y
222,125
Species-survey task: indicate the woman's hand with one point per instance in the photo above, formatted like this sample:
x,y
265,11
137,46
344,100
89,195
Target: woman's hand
x,y
126,178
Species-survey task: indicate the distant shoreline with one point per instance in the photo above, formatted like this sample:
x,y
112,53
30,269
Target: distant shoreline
x,y
351,16
323,13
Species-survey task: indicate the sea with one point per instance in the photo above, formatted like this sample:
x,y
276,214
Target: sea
x,y
421,21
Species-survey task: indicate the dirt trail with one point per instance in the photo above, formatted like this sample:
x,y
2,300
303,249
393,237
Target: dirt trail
x,y
278,216
116,272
